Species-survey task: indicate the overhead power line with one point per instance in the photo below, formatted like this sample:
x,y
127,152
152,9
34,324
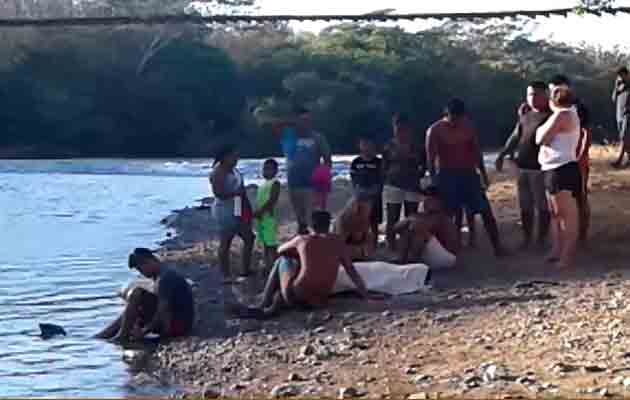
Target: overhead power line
x,y
226,19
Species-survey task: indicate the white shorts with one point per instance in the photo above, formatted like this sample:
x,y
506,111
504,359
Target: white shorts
x,y
394,195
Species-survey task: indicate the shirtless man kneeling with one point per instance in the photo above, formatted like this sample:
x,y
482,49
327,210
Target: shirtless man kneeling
x,y
305,273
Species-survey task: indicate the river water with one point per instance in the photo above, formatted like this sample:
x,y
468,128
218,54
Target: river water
x,y
66,229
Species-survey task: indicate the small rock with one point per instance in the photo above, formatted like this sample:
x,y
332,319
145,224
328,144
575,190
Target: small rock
x,y
307,350
418,396
411,371
319,329
603,392
386,313
285,391
237,387
295,378
593,369
209,392
348,393
525,380
422,379
472,381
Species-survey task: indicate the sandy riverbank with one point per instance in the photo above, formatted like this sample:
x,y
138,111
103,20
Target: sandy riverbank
x,y
491,327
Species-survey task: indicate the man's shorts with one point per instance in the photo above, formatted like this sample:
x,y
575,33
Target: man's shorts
x,y
565,178
462,190
302,203
531,190
394,195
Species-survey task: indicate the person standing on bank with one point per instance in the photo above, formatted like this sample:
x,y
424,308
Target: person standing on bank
x,y
531,184
404,165
559,138
232,211
304,149
453,144
620,95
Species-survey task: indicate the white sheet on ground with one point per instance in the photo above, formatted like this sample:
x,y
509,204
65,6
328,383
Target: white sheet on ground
x,y
436,256
386,278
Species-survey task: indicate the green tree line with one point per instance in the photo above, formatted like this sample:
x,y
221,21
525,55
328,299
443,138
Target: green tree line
x,y
180,91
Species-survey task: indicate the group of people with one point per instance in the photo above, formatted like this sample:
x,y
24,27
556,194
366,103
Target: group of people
x,y
549,145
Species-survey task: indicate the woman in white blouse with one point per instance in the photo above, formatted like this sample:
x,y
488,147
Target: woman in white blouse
x,y
559,138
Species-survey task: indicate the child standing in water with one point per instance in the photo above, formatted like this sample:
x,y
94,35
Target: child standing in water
x,y
266,215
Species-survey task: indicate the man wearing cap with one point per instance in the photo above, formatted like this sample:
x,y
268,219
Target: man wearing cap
x,y
168,311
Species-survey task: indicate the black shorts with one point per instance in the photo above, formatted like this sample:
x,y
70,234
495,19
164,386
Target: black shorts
x,y
565,178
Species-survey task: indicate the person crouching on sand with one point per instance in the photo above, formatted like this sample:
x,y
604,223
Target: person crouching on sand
x,y
169,312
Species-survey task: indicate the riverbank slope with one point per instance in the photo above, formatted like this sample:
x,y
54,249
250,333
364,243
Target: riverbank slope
x,y
512,326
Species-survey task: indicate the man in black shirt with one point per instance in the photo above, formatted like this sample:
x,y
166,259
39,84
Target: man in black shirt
x,y
168,311
531,187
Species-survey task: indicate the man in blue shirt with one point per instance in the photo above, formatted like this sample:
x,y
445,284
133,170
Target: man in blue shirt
x,y
304,149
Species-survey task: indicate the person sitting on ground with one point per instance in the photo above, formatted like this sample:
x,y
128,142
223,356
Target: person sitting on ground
x,y
266,214
353,226
305,273
232,210
169,311
416,231
366,172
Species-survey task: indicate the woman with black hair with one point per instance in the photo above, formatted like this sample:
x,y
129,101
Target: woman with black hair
x,y
231,210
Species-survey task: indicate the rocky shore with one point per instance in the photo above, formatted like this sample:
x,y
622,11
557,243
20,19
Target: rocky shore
x,y
504,328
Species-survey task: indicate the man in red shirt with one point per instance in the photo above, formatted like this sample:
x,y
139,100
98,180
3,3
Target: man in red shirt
x,y
455,159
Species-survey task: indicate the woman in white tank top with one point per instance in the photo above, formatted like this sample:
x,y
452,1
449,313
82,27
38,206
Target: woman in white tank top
x,y
559,138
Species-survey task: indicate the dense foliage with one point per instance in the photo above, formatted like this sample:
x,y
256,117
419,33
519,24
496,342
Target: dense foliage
x,y
178,91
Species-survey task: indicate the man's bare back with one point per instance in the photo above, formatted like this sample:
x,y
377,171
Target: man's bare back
x,y
320,258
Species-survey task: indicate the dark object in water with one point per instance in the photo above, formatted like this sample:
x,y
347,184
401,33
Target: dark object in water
x,y
50,330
